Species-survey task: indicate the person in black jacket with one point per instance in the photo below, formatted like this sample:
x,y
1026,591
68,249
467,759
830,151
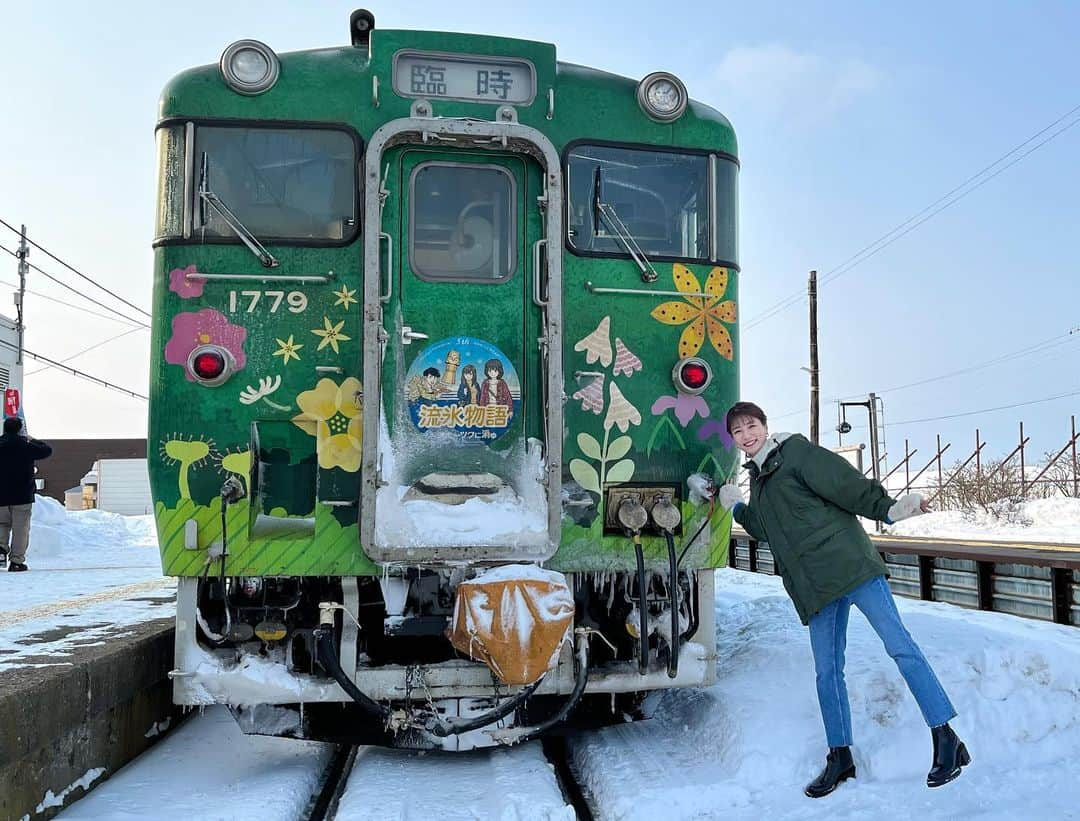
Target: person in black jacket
x,y
17,456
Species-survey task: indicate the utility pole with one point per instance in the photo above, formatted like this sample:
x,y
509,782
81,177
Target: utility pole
x,y
814,385
24,269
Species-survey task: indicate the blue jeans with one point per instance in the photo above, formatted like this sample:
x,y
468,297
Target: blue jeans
x,y
828,637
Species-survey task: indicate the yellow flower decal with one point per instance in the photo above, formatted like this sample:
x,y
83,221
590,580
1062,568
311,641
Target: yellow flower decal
x,y
331,335
345,297
335,411
705,315
287,350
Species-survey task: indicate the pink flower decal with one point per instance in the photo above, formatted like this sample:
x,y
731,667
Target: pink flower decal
x,y
626,361
685,407
205,327
592,395
180,284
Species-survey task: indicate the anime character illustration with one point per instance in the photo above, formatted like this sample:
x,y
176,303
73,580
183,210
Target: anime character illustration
x,y
424,389
469,389
495,391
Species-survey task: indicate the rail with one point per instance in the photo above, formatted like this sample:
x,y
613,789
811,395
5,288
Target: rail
x,y
1039,580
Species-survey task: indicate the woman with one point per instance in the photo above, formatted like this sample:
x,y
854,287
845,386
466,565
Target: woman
x,y
469,389
804,500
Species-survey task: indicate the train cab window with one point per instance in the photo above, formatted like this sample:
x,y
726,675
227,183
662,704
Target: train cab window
x,y
280,183
658,200
462,224
726,218
170,199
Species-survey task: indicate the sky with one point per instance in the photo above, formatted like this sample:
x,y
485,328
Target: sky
x,y
851,119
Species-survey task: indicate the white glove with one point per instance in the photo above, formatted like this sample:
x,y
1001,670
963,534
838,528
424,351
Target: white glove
x,y
729,496
906,507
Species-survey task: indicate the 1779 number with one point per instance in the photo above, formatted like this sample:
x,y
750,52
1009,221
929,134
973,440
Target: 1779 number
x,y
296,301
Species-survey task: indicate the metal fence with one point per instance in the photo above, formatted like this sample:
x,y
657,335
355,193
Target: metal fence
x,y
1035,584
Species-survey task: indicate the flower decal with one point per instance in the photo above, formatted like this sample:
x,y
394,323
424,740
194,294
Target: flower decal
x,y
716,427
620,411
592,395
335,411
185,288
287,349
205,327
597,345
701,315
345,297
626,361
685,407
331,335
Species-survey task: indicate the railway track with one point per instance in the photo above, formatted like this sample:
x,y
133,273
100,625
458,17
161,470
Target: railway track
x,y
535,780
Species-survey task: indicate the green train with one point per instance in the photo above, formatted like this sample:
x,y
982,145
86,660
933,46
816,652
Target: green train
x,y
444,335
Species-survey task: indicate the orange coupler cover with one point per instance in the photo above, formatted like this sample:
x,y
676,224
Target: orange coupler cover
x,y
515,619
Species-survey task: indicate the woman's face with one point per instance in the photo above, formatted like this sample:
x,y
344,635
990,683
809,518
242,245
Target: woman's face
x,y
470,376
749,434
492,373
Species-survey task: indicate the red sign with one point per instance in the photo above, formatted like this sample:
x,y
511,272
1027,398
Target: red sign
x,y
11,402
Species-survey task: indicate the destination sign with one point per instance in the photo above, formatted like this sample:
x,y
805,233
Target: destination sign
x,y
463,78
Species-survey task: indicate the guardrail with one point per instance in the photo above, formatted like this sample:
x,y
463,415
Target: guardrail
x,y
1035,581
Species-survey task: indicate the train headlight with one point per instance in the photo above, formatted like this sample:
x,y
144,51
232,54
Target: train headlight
x,y
662,96
211,365
249,67
691,375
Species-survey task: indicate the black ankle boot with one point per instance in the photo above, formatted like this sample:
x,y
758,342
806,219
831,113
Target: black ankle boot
x,y
840,766
950,755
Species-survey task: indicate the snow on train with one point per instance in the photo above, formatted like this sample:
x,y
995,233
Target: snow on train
x,y
444,334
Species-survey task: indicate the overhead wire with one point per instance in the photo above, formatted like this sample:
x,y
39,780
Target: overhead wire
x,y
1045,346
902,422
76,372
79,308
93,347
914,221
75,270
74,290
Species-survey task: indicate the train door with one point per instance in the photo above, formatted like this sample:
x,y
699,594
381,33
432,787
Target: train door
x,y
461,376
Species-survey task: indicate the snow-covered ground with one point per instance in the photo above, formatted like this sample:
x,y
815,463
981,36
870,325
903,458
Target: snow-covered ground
x,y
745,748
208,769
1038,520
91,574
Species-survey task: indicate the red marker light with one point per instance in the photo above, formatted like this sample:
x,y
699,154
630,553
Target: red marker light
x,y
694,376
210,365
691,375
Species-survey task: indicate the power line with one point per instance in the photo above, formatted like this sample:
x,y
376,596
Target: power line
x,y
76,271
87,350
63,284
79,308
76,372
1038,348
981,410
906,226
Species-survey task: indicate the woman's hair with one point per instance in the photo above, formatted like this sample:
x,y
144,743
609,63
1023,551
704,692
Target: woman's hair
x,y
494,365
740,409
467,370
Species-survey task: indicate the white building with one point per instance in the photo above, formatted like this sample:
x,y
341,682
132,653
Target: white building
x,y
10,373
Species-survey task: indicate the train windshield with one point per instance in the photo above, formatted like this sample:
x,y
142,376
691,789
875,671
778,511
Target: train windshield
x,y
657,201
659,198
283,183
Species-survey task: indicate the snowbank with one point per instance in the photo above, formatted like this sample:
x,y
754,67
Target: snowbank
x,y
1038,520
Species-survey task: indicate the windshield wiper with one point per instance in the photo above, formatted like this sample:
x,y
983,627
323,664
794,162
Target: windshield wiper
x,y
208,198
603,211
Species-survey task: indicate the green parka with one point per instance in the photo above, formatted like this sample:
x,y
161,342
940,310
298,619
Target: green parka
x,y
803,502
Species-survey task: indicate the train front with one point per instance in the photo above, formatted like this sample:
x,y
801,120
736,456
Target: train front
x,y
439,377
